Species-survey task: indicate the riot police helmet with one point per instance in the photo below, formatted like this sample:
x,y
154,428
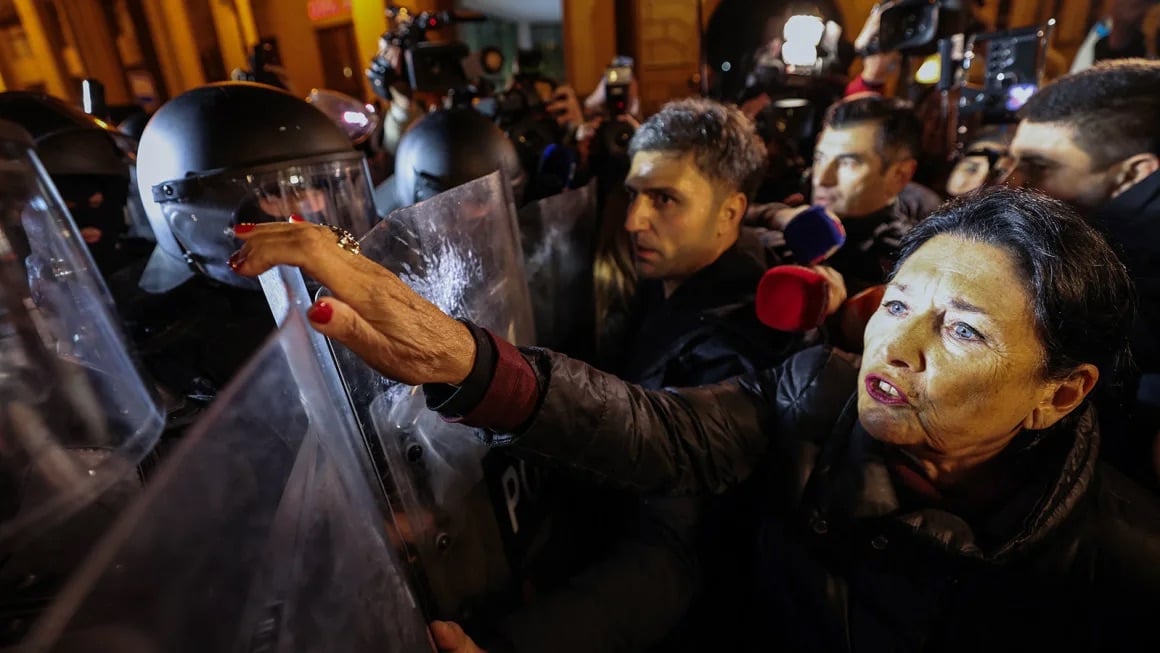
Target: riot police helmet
x,y
240,152
89,163
133,125
450,147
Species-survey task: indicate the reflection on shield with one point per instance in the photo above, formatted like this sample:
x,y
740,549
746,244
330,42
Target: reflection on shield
x,y
459,250
334,193
259,533
75,415
557,235
199,211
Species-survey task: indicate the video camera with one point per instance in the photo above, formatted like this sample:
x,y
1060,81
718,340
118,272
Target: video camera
x,y
527,96
916,26
1011,71
1013,66
1013,59
429,66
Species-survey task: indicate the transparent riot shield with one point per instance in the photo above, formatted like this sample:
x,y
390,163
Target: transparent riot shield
x,y
558,234
75,416
459,250
259,532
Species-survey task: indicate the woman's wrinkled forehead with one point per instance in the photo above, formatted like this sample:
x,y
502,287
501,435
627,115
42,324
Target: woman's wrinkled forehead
x,y
966,273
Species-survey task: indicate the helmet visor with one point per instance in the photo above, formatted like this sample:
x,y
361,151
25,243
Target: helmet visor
x,y
201,211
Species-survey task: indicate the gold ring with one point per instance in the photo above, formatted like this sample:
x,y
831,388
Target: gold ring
x,y
346,240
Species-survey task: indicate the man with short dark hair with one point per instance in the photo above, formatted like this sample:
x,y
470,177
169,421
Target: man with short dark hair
x,y
866,154
695,166
1090,137
865,158
1093,139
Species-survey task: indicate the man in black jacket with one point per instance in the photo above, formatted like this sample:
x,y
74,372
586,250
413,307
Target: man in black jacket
x,y
1093,139
695,165
864,163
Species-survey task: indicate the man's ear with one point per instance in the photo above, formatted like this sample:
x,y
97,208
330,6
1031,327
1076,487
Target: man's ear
x,y
1133,170
732,211
900,174
1062,397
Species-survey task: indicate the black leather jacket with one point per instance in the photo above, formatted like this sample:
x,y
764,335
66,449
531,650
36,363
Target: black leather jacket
x,y
1069,560
639,590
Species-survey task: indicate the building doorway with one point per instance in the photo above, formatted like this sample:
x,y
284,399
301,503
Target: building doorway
x,y
341,67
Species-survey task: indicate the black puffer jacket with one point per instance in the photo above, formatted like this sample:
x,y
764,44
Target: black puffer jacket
x,y
1068,561
1132,224
708,330
641,588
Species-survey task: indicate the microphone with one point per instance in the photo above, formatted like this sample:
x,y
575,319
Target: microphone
x,y
792,298
813,236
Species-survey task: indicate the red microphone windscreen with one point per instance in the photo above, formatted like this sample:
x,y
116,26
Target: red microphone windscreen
x,y
854,314
792,298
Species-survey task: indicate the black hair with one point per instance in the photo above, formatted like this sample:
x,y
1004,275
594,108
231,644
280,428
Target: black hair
x,y
1080,291
724,143
899,129
1111,107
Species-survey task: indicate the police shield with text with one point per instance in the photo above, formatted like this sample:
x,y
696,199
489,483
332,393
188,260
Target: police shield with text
x,y
471,516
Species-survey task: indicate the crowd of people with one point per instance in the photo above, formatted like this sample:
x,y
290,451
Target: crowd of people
x,y
961,472
961,452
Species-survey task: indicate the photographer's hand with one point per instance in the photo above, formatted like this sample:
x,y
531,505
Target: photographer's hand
x,y
630,120
869,29
565,107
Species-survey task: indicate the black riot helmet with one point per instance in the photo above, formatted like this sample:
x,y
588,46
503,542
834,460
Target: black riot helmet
x,y
240,152
133,125
89,164
450,147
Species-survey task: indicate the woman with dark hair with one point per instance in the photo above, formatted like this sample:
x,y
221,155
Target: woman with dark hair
x,y
945,496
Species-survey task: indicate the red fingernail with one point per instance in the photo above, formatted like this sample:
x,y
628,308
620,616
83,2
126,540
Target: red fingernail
x,y
236,259
243,228
297,218
321,313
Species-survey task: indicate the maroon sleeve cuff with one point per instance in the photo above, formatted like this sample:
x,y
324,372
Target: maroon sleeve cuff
x,y
511,397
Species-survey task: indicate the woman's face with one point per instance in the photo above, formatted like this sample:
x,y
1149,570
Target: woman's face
x,y
953,367
971,172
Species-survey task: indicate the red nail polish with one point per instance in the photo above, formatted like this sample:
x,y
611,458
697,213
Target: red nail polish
x,y
297,218
236,259
243,228
321,313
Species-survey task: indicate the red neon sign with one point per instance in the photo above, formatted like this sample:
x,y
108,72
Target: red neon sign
x,y
320,10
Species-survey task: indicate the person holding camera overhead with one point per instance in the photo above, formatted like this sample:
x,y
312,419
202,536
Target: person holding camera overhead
x,y
617,97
